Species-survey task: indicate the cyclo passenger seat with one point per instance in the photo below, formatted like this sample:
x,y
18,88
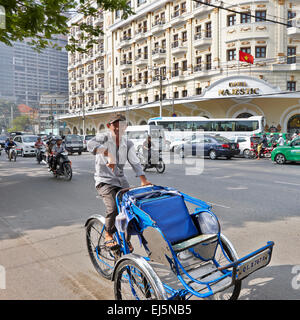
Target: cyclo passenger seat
x,y
169,211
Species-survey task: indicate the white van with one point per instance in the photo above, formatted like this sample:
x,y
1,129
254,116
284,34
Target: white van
x,y
138,135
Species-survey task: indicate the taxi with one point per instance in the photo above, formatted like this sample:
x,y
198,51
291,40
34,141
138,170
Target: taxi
x,y
290,152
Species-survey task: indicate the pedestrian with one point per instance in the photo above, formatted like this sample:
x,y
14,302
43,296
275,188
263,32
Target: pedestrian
x,y
112,149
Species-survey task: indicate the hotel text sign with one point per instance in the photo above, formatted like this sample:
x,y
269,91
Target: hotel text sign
x,y
238,89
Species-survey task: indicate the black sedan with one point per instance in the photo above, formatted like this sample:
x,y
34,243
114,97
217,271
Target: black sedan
x,y
211,146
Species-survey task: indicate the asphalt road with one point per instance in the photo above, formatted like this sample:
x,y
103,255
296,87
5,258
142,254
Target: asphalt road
x,y
42,236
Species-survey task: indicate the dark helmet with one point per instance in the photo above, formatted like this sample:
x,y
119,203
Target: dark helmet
x,y
58,138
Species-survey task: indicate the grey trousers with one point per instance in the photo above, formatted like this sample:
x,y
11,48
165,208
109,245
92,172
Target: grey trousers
x,y
108,195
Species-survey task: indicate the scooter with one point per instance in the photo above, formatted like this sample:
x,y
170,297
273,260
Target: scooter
x,y
41,155
155,161
63,166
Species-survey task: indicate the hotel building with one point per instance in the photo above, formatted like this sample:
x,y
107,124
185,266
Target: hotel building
x,y
187,55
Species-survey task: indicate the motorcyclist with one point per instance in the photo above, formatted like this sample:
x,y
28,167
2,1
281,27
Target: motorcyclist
x,y
49,146
57,149
262,145
147,147
9,144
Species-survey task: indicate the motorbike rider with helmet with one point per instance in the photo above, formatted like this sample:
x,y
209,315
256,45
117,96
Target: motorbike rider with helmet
x,y
57,149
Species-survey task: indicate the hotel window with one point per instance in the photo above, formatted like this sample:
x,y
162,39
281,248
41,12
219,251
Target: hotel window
x,y
183,7
176,94
245,17
184,36
291,55
231,55
246,50
291,85
184,65
291,15
260,15
140,2
208,30
231,20
198,91
260,52
184,93
208,62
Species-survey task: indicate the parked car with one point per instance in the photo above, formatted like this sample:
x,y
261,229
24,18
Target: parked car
x,y
179,142
290,152
25,144
2,140
85,140
244,143
73,143
212,146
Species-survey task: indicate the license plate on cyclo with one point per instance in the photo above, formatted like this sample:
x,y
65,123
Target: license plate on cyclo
x,y
253,264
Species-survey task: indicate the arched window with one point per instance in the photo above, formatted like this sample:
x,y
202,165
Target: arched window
x,y
294,124
244,115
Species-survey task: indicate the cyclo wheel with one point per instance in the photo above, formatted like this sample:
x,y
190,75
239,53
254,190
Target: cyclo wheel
x,y
15,156
160,167
132,283
102,259
233,292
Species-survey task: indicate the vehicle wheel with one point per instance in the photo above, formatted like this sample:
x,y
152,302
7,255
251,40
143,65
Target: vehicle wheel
x,y
212,155
79,153
280,158
68,171
160,167
102,259
246,153
251,155
131,282
228,158
233,292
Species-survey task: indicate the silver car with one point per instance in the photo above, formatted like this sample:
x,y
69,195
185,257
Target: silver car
x,y
25,144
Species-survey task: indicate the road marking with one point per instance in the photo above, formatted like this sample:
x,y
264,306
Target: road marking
x,y
237,188
292,184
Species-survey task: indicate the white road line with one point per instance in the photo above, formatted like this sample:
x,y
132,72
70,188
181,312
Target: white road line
x,y
292,184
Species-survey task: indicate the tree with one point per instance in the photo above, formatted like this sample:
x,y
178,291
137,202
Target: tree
x,y
42,21
21,123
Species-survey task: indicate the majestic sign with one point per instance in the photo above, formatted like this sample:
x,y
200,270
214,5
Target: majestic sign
x,y
239,87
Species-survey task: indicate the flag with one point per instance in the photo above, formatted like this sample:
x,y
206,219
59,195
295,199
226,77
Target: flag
x,y
246,57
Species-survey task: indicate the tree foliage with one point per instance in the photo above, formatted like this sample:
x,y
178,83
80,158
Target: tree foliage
x,y
21,123
42,21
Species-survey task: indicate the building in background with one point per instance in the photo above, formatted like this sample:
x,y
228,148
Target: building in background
x,y
182,58
51,107
27,74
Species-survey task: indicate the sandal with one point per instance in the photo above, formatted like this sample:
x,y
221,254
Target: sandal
x,y
130,247
111,245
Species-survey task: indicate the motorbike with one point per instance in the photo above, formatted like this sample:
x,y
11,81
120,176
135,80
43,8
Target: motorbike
x,y
63,166
12,154
264,153
155,161
41,155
